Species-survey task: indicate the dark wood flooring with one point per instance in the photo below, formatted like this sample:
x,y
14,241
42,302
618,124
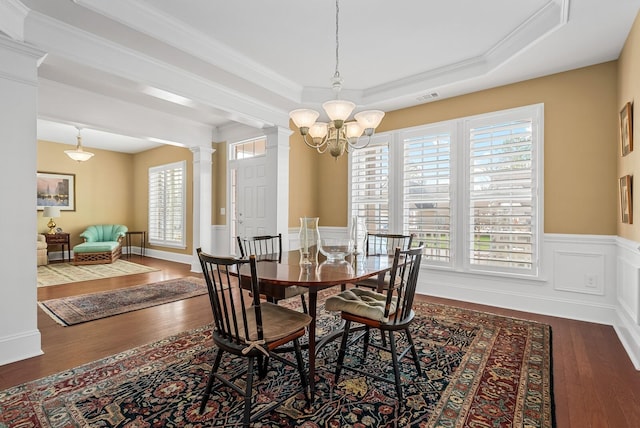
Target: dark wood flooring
x,y
595,383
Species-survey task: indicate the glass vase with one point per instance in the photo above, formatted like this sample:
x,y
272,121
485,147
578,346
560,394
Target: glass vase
x,y
309,240
358,234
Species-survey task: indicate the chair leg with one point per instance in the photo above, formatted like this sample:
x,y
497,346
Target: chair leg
x,y
303,375
343,348
304,304
414,352
396,366
247,394
263,364
207,391
365,345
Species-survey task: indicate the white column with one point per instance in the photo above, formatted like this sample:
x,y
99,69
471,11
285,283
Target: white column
x,y
19,335
278,144
202,205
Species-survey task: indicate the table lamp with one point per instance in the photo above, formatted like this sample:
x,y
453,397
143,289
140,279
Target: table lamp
x,y
51,212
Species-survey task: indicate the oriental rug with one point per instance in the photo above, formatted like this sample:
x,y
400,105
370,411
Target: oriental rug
x,y
479,370
63,273
88,307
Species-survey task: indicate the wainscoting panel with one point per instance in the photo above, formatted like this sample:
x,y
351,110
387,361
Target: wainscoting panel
x,y
569,264
628,267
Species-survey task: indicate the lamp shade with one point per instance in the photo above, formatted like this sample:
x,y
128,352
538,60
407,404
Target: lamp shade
x,y
304,118
338,109
79,154
370,118
51,212
318,130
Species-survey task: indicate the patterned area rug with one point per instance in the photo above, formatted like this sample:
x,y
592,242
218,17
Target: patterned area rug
x,y
480,370
62,273
88,307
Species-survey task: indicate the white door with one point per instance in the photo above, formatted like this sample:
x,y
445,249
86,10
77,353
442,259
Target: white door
x,y
251,216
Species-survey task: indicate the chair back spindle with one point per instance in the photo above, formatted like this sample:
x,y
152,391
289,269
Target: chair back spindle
x,y
228,302
403,282
385,243
264,247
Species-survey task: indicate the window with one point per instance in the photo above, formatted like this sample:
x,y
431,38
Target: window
x,y
370,184
167,204
467,188
249,148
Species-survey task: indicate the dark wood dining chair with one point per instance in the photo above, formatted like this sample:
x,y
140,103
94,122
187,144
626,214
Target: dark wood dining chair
x,y
390,312
269,248
380,244
247,327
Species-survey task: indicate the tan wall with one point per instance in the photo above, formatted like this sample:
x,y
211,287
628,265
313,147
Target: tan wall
x,y
103,186
140,184
580,146
581,143
628,91
305,182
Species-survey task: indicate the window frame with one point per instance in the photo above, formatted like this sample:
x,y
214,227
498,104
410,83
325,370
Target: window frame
x,y
155,240
460,187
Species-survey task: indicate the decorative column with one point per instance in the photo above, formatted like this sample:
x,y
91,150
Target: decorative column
x,y
19,335
278,146
202,205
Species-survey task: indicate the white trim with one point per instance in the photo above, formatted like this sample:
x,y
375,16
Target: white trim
x,y
20,346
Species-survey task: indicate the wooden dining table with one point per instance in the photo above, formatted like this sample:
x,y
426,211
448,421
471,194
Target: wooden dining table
x,y
273,276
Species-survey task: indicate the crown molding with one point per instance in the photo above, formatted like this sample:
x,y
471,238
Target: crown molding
x,y
551,16
85,48
12,17
149,20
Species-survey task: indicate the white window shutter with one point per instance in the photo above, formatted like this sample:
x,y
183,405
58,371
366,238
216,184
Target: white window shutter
x,y
167,205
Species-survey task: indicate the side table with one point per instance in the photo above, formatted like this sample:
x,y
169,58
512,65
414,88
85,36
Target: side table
x,y
61,239
143,241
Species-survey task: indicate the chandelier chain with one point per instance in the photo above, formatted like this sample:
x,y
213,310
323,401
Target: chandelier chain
x,y
337,73
339,135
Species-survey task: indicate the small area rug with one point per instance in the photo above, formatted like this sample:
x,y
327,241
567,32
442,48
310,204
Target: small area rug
x,y
62,273
480,370
88,307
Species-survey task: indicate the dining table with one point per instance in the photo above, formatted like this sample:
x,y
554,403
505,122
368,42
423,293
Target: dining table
x,y
273,276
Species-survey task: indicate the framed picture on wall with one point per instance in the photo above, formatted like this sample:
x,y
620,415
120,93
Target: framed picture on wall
x,y
625,199
626,129
56,189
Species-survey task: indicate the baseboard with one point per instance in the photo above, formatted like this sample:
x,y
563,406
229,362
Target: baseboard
x,y
629,335
20,347
580,310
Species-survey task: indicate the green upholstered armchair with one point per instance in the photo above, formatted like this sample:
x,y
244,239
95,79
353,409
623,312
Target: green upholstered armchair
x,y
104,233
102,244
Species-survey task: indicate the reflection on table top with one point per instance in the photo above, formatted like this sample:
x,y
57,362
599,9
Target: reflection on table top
x,y
322,274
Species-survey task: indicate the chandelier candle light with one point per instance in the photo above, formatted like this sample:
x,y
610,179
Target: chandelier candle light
x,y
338,135
78,154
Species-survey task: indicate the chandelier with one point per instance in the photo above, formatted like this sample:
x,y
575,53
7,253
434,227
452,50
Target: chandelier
x,y
339,135
78,154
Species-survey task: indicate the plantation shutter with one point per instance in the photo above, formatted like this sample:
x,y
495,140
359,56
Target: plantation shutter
x,y
370,184
427,190
501,196
167,205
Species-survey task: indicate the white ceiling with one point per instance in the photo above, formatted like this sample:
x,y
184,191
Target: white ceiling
x,y
128,71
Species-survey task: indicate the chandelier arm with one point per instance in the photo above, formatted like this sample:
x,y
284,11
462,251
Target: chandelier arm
x,y
314,145
355,146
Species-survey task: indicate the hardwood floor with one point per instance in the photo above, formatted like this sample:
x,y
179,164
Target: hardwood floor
x,y
595,383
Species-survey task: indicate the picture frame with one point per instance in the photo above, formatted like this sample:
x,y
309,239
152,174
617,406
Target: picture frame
x,y
56,189
626,202
626,129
